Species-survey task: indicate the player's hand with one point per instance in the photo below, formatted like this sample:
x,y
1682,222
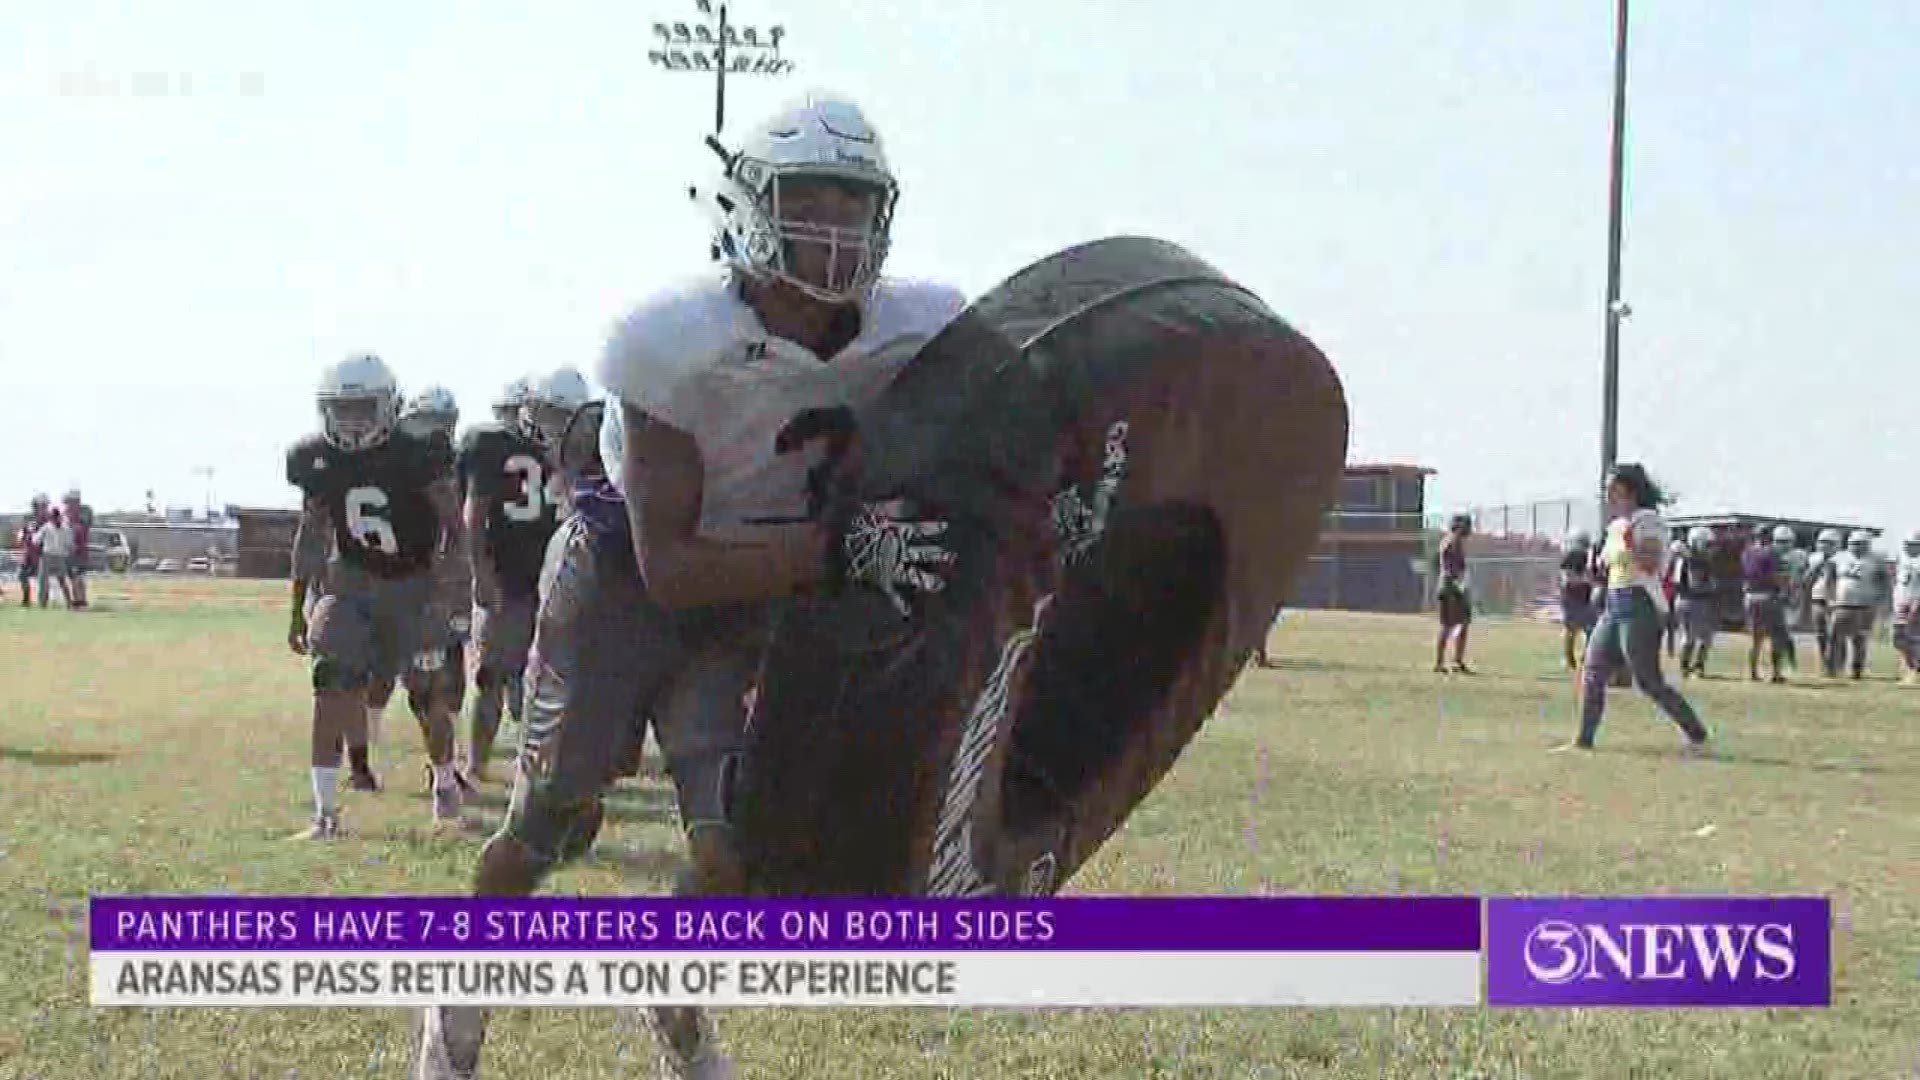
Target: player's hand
x,y
297,636
892,547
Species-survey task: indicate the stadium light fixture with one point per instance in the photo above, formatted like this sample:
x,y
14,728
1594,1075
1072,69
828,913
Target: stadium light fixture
x,y
720,47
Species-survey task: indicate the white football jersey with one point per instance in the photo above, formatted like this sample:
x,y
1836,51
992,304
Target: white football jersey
x,y
1820,573
697,357
1857,579
1906,580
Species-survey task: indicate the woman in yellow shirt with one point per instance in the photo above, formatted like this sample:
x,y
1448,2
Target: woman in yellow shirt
x,y
1634,615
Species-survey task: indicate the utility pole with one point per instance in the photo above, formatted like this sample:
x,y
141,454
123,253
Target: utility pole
x,y
1617,309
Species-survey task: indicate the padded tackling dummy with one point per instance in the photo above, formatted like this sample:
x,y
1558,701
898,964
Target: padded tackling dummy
x,y
1189,440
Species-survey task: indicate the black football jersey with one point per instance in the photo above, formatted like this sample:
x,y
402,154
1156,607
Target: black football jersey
x,y
511,472
377,499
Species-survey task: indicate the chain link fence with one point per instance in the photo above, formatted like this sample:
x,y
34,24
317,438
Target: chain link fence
x,y
1514,552
1389,561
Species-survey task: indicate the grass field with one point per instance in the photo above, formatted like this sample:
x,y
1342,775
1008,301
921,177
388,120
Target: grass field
x,y
157,744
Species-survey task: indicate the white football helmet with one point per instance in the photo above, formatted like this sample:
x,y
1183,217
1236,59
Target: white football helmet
x,y
506,407
359,402
820,137
1578,539
1860,540
1783,534
1700,538
1913,541
550,403
1828,541
430,410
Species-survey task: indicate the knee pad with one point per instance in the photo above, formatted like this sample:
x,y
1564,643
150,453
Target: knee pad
x,y
330,674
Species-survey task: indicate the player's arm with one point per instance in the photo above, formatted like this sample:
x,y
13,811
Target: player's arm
x,y
446,507
486,576
309,562
665,484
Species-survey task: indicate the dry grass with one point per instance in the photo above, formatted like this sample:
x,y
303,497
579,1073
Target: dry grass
x,y
157,745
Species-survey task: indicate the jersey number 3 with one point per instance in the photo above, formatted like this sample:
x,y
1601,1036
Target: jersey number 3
x,y
533,489
367,520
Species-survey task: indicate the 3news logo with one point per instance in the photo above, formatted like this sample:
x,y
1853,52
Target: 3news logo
x,y
1671,951
1559,952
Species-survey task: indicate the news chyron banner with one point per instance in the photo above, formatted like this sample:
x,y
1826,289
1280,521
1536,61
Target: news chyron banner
x,y
1675,952
585,951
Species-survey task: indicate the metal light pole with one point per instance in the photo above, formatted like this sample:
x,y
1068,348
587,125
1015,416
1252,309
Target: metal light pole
x,y
1617,310
205,473
720,47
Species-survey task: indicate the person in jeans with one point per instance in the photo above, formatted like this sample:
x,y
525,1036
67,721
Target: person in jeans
x,y
1632,620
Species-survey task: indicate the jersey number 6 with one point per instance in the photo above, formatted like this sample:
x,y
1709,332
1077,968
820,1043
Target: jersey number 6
x,y
367,520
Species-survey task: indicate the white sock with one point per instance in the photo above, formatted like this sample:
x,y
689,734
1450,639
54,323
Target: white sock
x,y
326,790
375,714
442,776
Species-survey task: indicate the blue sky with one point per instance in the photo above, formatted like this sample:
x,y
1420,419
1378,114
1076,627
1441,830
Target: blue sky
x,y
201,204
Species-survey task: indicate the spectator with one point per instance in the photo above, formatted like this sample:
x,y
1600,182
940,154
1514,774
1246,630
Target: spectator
x,y
56,548
1577,610
1629,629
79,518
30,548
1456,606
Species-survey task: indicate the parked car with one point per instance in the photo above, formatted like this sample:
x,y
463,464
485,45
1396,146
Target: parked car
x,y
168,566
108,548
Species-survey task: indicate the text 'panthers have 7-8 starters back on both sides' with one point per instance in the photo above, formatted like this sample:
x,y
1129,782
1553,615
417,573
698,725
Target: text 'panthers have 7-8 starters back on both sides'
x,y
1423,951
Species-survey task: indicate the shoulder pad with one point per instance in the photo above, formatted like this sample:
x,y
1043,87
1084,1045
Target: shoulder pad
x,y
669,338
477,436
911,306
306,458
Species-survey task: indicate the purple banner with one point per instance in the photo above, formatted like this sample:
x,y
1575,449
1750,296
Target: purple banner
x,y
432,924
1660,951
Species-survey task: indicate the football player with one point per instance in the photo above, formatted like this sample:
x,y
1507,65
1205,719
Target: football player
x,y
656,596
506,407
1906,609
436,679
1819,586
312,550
1858,578
511,511
1696,600
384,495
